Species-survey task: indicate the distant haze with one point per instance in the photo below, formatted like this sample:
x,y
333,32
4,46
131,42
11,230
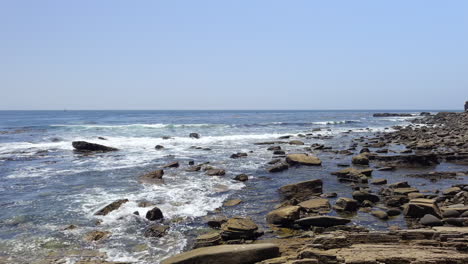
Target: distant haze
x,y
233,54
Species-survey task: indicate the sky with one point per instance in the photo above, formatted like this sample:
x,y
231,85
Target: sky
x,y
252,54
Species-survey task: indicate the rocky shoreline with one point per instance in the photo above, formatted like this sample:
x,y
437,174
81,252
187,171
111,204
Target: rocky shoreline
x,y
437,220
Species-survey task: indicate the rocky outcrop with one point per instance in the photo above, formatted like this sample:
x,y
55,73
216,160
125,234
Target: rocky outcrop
x,y
303,159
84,146
111,207
302,191
226,254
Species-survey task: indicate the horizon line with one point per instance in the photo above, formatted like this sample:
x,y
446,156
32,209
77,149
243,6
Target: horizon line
x,y
324,109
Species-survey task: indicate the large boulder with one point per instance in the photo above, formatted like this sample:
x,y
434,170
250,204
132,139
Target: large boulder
x,y
302,191
154,214
87,147
194,135
363,195
418,208
226,254
303,159
111,207
284,215
322,221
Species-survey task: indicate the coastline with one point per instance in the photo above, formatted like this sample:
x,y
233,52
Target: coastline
x,y
286,231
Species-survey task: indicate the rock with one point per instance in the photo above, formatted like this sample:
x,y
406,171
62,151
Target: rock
x,y
296,142
451,191
322,221
386,169
278,167
233,202
364,150
238,155
158,147
156,230
418,208
216,221
360,159
226,254
208,240
194,168
152,177
84,146
302,191
94,236
241,177
145,204
346,204
466,106
215,172
315,205
404,191
393,212
174,164
111,207
303,159
362,195
279,152
239,228
283,216
456,221
380,214
415,160
154,214
194,135
379,181
273,148
430,220
450,213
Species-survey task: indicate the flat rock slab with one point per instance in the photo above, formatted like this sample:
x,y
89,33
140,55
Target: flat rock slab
x,y
322,221
226,254
303,159
302,191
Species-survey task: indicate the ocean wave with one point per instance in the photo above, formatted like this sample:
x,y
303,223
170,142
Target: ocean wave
x,y
150,126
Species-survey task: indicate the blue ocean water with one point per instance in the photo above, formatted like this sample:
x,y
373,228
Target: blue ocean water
x,y
46,186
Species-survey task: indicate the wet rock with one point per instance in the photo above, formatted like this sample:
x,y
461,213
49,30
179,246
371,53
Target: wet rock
x,y
215,172
156,230
111,207
284,216
418,208
296,142
302,191
174,164
451,191
158,147
430,220
194,168
96,235
379,181
273,148
152,177
346,204
303,159
450,213
362,196
154,214
360,159
226,254
415,160
393,212
216,221
279,152
84,146
380,214
241,177
194,135
404,191
456,221
238,155
386,169
315,205
278,167
322,221
239,228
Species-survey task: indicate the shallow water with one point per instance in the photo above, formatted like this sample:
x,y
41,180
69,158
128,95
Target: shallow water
x,y
45,186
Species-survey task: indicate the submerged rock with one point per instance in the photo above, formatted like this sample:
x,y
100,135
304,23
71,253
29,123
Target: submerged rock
x,y
152,177
194,135
361,159
278,167
241,177
88,147
215,172
111,207
95,236
174,164
156,230
226,254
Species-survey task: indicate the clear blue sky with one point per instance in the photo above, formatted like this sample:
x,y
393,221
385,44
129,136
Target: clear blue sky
x,y
251,54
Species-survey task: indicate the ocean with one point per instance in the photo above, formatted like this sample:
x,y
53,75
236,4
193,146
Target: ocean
x,y
45,186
